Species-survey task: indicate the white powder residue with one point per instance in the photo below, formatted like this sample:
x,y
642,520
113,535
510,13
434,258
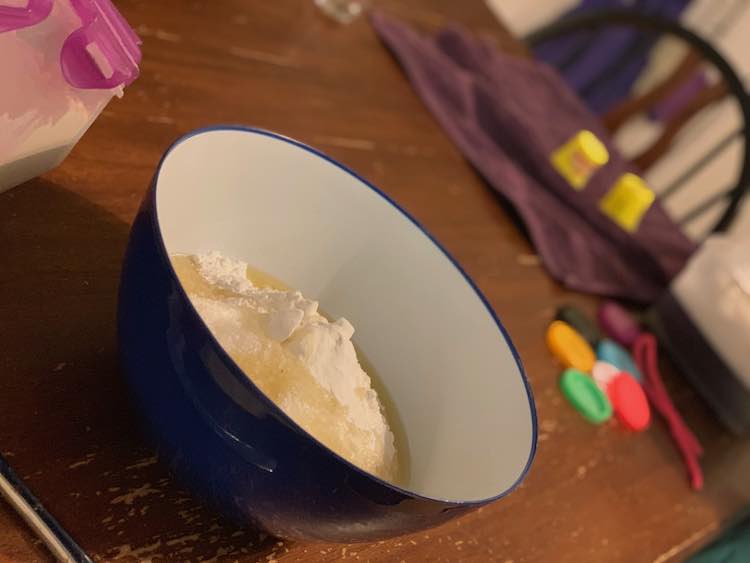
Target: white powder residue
x,y
228,322
242,321
223,272
327,350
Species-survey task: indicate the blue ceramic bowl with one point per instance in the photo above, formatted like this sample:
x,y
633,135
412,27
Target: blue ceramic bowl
x,y
445,360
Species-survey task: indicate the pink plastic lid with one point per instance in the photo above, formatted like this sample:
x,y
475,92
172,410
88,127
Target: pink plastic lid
x,y
104,52
603,373
17,17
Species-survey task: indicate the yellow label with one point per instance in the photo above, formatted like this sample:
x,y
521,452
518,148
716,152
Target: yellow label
x,y
579,158
627,202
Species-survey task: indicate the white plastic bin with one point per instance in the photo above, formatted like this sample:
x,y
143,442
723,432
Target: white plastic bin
x,y
61,61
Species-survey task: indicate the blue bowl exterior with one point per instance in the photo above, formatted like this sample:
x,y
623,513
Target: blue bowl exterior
x,y
224,438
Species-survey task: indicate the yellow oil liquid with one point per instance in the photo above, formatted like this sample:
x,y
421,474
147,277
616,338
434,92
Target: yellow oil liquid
x,y
288,382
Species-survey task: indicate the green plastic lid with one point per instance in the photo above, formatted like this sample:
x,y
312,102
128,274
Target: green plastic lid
x,y
584,394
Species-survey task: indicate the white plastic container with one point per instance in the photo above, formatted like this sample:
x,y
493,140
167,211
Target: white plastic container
x,y
704,321
61,62
714,290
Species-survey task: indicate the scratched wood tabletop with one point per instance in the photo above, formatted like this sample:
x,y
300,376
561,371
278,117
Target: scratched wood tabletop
x,y
66,423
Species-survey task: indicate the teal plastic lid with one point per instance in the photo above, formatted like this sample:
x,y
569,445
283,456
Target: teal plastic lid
x,y
612,353
584,394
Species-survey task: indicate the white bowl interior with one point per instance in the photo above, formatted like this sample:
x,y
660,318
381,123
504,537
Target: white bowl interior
x,y
451,374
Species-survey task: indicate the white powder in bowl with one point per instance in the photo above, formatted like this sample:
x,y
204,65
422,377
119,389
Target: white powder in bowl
x,y
306,364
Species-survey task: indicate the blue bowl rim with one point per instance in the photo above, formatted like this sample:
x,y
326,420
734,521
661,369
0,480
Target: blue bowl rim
x,y
246,381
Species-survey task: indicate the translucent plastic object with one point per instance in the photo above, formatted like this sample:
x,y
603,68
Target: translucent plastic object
x,y
343,11
62,62
13,16
714,290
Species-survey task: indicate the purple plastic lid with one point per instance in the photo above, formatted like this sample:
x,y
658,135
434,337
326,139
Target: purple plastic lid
x,y
16,17
618,324
103,53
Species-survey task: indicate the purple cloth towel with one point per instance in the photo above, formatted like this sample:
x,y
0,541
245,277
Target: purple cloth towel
x,y
507,115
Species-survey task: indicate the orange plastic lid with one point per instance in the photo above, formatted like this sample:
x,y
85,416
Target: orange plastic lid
x,y
569,347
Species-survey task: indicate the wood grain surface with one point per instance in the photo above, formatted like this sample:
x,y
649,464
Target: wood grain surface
x,y
66,422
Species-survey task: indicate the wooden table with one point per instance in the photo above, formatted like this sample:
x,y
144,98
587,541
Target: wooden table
x,y
594,494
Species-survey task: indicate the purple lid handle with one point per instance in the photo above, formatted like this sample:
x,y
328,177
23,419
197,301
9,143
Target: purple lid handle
x,y
103,53
16,18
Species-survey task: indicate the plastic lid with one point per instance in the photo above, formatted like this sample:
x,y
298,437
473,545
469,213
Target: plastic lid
x,y
580,322
570,347
627,202
613,353
629,402
585,396
103,53
603,374
18,17
618,324
592,148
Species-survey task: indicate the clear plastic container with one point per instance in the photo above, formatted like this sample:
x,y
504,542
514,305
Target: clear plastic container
x,y
61,62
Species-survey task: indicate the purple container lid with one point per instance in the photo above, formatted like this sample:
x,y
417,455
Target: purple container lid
x,y
618,324
103,53
14,17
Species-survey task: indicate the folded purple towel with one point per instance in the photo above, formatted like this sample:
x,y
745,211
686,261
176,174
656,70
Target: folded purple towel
x,y
507,115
